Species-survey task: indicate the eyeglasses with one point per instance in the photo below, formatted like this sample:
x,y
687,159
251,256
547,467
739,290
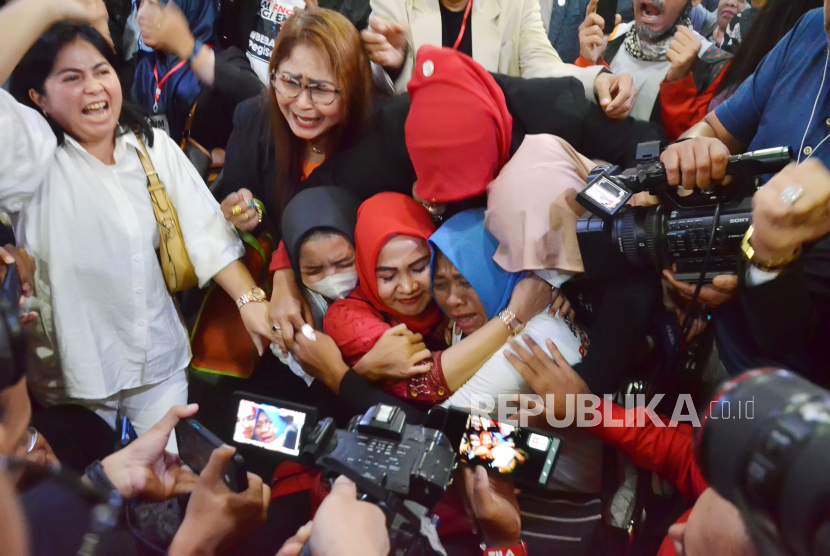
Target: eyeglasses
x,y
322,95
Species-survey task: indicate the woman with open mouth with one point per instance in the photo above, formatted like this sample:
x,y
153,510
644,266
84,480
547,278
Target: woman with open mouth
x,y
70,172
393,267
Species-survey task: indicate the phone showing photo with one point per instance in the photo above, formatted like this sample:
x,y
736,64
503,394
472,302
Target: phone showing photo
x,y
526,454
272,425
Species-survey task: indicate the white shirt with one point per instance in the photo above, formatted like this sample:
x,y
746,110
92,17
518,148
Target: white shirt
x,y
92,232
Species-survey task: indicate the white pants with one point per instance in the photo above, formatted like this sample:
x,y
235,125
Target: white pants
x,y
144,406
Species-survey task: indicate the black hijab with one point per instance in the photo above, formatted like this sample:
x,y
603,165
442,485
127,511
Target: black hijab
x,y
327,207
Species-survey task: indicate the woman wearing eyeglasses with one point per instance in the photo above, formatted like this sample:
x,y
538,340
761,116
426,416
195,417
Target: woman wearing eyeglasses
x,y
318,102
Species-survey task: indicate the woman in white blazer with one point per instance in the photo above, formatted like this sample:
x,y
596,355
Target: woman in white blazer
x,y
508,37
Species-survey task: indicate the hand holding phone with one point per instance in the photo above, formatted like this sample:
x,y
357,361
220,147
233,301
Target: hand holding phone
x,y
196,445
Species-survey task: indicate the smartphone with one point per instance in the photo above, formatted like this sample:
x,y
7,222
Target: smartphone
x,y
127,434
527,454
196,444
11,289
272,425
607,10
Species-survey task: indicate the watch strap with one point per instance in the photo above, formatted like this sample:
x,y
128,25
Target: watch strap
x,y
762,264
512,323
96,475
519,549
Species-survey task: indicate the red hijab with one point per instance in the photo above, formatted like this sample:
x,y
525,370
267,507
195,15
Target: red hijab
x,y
381,216
458,131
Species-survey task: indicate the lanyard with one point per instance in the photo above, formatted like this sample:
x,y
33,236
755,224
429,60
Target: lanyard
x,y
160,84
463,24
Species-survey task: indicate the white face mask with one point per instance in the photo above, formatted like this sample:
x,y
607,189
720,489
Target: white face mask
x,y
336,286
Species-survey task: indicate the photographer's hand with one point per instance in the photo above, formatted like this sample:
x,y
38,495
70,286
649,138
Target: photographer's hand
x,y
546,375
493,504
144,469
781,228
722,289
695,162
215,515
345,526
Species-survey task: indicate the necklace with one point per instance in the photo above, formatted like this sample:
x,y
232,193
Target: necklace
x,y
809,123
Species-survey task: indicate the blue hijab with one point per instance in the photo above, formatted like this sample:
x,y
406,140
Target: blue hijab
x,y
182,87
468,245
273,416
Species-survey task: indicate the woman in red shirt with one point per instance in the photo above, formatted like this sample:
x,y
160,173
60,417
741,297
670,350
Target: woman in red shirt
x,y
393,267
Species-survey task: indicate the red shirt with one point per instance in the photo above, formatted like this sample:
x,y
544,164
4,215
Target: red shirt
x,y
356,326
667,451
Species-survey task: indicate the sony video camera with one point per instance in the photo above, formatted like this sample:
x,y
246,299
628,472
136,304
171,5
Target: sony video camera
x,y
764,446
676,234
404,469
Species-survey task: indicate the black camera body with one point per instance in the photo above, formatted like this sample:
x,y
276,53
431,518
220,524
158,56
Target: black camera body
x,y
764,446
404,469
676,234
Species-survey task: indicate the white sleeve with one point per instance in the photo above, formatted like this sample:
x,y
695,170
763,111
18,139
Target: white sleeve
x,y
395,11
755,276
212,242
27,146
538,58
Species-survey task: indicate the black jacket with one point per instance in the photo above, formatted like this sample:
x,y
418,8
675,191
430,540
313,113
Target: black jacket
x,y
380,161
784,322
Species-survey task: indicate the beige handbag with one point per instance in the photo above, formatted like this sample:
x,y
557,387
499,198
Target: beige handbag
x,y
175,262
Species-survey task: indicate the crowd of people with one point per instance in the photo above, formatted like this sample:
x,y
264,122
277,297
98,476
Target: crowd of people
x,y
400,176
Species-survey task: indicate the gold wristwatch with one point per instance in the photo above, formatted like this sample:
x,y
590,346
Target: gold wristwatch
x,y
766,265
512,323
256,295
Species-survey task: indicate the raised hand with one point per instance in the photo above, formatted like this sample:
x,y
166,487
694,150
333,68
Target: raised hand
x,y
683,51
385,42
238,208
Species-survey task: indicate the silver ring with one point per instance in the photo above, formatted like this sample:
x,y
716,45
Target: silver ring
x,y
33,440
275,328
791,195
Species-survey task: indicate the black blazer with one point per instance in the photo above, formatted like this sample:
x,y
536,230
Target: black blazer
x,y
380,161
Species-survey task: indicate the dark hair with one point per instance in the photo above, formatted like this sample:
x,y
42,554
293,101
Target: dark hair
x,y
339,40
776,19
37,64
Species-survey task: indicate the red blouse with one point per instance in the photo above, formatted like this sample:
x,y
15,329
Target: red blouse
x,y
356,326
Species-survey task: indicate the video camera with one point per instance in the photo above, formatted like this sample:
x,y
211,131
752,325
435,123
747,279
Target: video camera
x,y
701,231
404,469
764,446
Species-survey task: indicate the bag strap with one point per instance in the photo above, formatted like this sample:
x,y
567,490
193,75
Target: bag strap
x,y
153,182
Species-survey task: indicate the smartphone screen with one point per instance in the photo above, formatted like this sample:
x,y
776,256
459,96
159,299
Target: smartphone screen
x,y
527,454
274,428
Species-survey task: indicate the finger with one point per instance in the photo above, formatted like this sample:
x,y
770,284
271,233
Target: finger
x,y
482,495
522,353
555,354
416,338
422,355
260,343
725,283
521,367
6,257
213,473
566,308
592,8
719,156
419,347
344,487
372,38
172,417
688,168
399,330
537,351
418,369
617,20
703,177
671,162
603,91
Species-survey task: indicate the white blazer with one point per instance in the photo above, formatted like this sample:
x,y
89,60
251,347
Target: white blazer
x,y
508,37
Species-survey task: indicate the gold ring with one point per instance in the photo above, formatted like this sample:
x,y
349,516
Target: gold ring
x,y
237,210
247,217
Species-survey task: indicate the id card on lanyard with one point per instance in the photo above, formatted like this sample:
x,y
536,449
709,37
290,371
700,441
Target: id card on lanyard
x,y
157,120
